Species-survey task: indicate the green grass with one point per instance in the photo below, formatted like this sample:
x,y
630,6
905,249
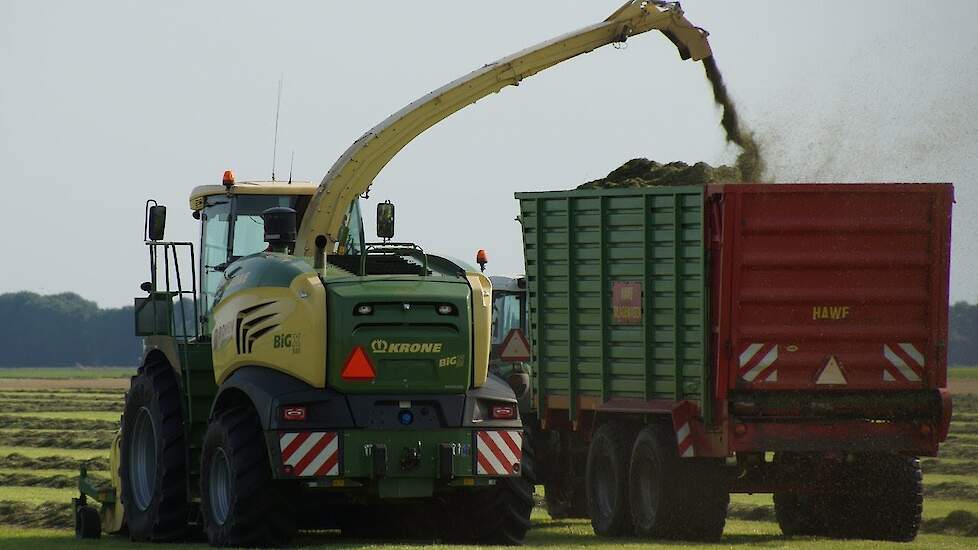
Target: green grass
x,y
962,373
61,373
39,471
37,495
69,415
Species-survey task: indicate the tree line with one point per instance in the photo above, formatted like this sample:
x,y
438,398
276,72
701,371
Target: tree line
x,y
65,329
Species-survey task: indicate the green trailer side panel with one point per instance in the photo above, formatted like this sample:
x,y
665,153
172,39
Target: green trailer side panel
x,y
577,246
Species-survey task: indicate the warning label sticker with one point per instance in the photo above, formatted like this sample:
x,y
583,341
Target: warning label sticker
x,y
626,302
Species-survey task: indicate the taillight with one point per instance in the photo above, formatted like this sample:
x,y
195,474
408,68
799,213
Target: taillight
x,y
358,366
502,412
293,413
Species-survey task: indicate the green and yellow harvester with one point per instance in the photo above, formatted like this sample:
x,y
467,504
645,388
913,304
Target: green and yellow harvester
x,y
301,377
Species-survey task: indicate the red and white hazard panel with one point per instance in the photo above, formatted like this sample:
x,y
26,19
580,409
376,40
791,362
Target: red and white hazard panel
x,y
497,452
684,439
757,363
311,453
904,363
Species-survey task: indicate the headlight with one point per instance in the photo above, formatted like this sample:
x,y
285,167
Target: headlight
x,y
364,309
445,309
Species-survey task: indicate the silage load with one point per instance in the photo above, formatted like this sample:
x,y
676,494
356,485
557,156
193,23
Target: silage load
x,y
647,173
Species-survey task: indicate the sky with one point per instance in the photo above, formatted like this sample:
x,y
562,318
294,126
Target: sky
x,y
106,104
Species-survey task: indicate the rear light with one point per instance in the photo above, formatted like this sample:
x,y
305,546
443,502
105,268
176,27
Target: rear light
x,y
502,412
294,413
364,309
445,309
358,366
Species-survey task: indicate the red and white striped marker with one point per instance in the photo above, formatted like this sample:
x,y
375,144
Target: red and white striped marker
x,y
311,453
497,452
684,439
757,363
905,363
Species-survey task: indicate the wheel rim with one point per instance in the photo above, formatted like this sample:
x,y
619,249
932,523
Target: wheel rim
x,y
219,486
142,459
605,486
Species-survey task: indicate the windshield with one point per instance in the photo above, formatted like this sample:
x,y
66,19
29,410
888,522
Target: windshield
x,y
233,228
506,315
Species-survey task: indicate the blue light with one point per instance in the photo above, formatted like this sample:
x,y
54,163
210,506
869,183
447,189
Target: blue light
x,y
405,417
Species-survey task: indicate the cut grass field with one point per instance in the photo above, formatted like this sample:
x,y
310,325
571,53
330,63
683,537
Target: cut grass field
x,y
39,423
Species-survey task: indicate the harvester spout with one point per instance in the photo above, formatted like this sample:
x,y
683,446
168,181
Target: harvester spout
x,y
356,169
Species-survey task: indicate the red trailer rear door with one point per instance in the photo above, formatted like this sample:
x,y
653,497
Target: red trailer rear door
x,y
833,286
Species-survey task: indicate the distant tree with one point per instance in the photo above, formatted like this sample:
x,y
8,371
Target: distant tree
x,y
963,335
64,329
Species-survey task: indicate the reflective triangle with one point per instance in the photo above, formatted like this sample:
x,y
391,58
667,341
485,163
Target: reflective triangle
x,y
515,348
831,373
358,366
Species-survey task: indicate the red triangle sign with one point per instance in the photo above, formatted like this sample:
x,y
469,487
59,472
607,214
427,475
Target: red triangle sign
x,y
515,348
358,366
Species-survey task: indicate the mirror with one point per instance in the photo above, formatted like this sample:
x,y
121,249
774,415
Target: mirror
x,y
385,220
156,223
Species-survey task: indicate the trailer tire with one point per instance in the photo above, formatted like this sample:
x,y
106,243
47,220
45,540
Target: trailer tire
x,y
606,479
241,504
883,499
702,497
799,514
153,455
88,523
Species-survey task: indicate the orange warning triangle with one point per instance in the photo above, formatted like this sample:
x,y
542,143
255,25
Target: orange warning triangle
x,y
515,347
831,373
358,366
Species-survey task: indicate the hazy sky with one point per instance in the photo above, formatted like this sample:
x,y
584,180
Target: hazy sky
x,y
105,104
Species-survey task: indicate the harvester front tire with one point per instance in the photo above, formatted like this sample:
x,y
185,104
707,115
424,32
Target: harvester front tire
x,y
153,456
607,480
88,523
241,504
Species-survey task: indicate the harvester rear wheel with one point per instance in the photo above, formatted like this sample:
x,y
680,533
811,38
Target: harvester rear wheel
x,y
153,461
240,502
500,514
607,479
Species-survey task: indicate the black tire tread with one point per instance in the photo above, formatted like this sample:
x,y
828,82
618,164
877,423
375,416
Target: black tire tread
x,y
616,439
261,514
171,507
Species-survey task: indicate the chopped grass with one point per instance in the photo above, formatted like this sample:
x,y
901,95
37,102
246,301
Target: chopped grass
x,y
56,439
8,422
37,452
59,405
19,462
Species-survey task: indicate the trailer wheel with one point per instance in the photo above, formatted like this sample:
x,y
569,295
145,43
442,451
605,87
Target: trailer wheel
x,y
702,498
564,491
241,504
88,523
799,514
883,498
607,480
153,462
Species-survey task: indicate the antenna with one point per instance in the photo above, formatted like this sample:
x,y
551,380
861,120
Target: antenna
x,y
278,106
291,162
